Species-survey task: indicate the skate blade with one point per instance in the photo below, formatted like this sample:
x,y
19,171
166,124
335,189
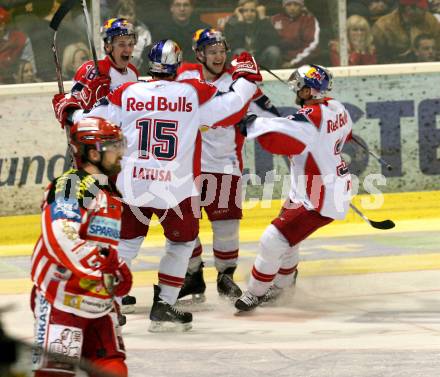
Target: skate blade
x,y
128,309
231,298
285,298
165,326
244,313
198,298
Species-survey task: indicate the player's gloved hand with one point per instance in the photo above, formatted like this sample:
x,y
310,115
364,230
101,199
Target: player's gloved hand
x,y
63,105
245,123
110,264
245,66
94,90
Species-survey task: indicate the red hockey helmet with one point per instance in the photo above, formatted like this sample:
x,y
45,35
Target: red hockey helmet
x,y
94,133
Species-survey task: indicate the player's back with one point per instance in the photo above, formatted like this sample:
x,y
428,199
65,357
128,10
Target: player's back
x,y
160,121
327,179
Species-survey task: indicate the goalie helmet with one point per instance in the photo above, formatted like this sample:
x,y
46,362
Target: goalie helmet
x,y
206,37
165,57
315,77
115,27
94,133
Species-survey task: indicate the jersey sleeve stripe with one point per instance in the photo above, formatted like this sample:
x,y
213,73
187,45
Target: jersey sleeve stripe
x,y
63,251
115,97
234,118
204,90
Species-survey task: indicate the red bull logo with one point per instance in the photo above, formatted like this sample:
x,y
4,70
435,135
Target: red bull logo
x,y
109,23
313,73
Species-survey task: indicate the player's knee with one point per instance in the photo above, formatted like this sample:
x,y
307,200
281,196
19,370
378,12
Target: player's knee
x,y
226,228
226,234
273,242
128,248
115,366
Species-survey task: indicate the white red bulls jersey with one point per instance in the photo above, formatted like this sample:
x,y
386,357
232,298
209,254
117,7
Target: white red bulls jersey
x,y
79,217
222,146
161,121
87,73
313,139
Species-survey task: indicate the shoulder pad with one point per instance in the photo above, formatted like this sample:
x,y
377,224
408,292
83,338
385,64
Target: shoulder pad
x,y
312,113
74,184
298,117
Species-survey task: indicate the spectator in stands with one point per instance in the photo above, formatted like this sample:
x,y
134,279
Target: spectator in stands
x,y
34,21
74,55
248,29
299,33
179,26
25,73
423,49
372,10
361,49
14,45
127,9
434,8
394,33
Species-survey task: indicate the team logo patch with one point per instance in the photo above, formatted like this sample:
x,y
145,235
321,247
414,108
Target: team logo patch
x,y
65,342
64,209
305,111
104,227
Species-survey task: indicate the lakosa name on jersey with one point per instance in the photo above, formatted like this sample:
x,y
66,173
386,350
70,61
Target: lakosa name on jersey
x,y
340,121
159,104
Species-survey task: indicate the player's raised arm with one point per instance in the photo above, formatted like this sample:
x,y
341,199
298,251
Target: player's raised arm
x,y
245,73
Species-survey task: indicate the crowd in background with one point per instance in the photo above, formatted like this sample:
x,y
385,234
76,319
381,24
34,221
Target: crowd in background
x,y
279,33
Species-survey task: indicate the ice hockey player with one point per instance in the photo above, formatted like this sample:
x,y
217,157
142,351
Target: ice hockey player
x,y
115,69
161,120
222,166
313,139
76,259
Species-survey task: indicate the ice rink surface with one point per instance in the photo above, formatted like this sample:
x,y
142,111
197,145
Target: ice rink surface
x,y
382,319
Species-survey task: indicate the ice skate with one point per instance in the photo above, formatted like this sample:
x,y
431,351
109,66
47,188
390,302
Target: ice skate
x,y
194,285
247,302
128,304
226,285
166,318
273,294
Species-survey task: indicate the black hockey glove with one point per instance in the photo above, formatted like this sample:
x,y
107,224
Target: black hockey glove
x,y
245,123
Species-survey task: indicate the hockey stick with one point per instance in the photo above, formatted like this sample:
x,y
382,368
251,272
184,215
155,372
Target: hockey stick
x,y
89,36
64,8
385,224
354,139
365,148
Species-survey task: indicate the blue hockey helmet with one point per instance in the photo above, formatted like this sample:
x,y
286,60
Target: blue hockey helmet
x,y
115,27
165,57
206,37
315,77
